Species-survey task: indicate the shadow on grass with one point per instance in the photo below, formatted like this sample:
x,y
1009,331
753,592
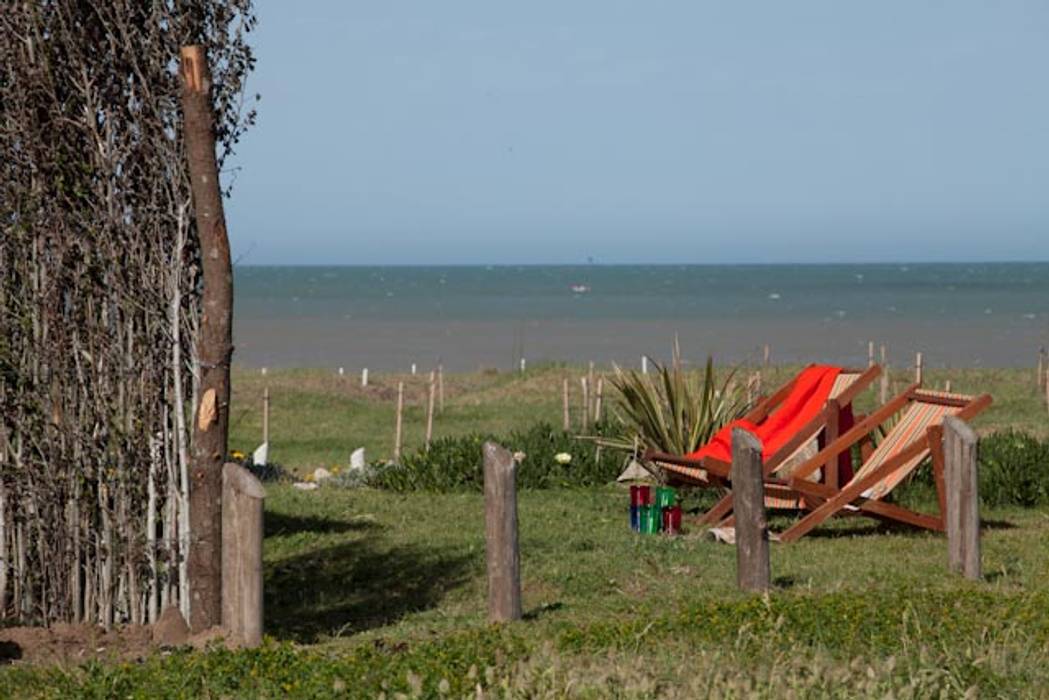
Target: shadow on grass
x,y
276,524
356,586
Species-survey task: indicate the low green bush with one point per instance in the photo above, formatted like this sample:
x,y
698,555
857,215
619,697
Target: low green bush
x,y
455,463
1014,470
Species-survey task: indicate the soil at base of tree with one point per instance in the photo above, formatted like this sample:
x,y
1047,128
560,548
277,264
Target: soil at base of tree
x,y
68,644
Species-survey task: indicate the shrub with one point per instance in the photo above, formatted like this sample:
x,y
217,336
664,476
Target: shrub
x,y
1014,470
455,464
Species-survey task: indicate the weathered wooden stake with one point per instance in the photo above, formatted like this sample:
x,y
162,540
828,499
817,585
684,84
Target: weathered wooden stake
x,y
397,431
883,389
962,519
214,344
1041,368
524,365
266,416
501,544
590,388
586,403
644,364
752,530
364,377
429,409
440,388
870,353
565,418
918,368
242,501
597,401
947,386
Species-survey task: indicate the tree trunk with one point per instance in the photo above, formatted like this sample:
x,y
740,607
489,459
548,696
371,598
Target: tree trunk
x,y
214,349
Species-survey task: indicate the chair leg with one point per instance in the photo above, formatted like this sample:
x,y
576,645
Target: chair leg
x,y
718,512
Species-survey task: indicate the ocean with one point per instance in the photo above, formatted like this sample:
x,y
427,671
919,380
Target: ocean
x,y
471,317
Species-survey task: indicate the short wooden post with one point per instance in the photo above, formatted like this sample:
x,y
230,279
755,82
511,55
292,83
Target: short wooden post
x,y
565,419
947,386
644,364
440,388
590,390
870,353
364,377
266,416
918,368
501,544
524,365
752,530
883,389
586,403
597,401
242,501
429,408
397,431
962,519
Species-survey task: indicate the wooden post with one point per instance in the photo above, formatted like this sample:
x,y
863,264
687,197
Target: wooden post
x,y
644,364
214,345
242,501
364,377
597,401
565,419
947,386
1041,368
266,416
501,544
590,390
870,353
397,430
429,409
524,365
413,369
440,388
586,403
883,389
962,519
752,530
918,368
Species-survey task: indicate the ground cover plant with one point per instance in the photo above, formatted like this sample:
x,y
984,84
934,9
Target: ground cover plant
x,y
373,591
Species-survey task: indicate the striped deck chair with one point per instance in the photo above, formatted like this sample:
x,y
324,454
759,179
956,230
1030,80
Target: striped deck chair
x,y
708,472
915,436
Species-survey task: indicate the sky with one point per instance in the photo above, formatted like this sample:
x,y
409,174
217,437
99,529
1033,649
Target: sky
x,y
667,131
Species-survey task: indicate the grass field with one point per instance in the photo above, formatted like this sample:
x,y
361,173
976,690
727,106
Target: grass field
x,y
317,418
374,594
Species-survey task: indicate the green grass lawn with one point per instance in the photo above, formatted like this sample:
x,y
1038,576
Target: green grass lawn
x,y
378,592
371,593
317,418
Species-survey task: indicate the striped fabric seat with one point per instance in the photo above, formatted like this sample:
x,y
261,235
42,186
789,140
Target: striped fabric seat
x,y
912,426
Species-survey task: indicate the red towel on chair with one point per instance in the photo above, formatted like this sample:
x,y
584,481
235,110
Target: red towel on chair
x,y
807,398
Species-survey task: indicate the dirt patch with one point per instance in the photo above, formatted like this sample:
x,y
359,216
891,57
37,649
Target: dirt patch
x,y
66,644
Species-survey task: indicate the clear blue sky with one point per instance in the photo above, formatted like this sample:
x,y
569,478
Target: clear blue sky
x,y
550,131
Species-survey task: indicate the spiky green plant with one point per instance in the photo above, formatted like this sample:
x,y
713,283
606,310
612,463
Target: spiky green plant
x,y
671,410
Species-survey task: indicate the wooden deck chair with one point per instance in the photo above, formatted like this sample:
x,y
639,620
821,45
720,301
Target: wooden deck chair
x,y
916,435
710,472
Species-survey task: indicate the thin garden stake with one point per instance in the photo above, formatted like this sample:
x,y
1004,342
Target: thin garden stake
x,y
586,403
565,420
429,409
397,431
918,368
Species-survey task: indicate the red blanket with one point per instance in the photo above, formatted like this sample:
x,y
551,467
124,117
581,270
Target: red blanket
x,y
807,398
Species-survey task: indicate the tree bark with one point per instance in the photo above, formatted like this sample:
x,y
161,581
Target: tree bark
x,y
214,348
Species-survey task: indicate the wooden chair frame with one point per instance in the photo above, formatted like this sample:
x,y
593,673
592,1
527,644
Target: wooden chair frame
x,y
826,420
825,501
